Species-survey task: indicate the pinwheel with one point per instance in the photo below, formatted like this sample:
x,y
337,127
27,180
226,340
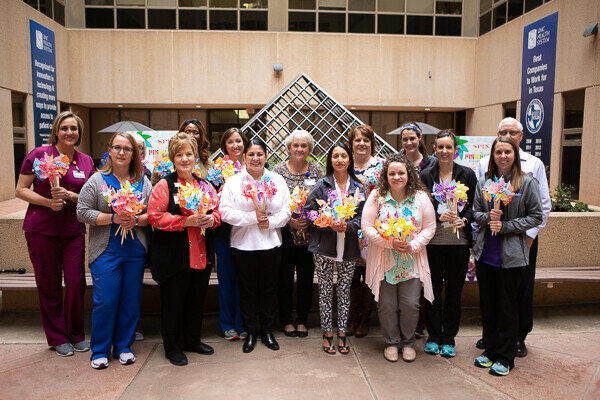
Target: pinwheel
x,y
51,167
454,194
125,201
199,199
223,170
336,208
498,191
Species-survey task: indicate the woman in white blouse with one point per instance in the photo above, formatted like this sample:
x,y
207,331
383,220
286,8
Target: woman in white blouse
x,y
256,243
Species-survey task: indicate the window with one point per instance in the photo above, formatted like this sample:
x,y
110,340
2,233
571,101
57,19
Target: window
x,y
161,19
54,9
361,5
302,4
499,15
493,14
192,19
223,20
515,9
19,131
100,18
572,134
302,21
510,109
393,24
447,26
361,23
531,4
253,20
332,22
131,18
390,6
419,25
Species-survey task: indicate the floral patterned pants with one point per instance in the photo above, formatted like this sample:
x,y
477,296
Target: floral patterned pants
x,y
345,270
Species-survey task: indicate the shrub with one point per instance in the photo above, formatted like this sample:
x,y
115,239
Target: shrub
x,y
563,200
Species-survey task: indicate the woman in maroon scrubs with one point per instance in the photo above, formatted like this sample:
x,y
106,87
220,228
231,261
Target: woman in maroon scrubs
x,y
55,238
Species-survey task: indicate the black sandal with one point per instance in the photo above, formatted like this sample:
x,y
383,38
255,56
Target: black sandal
x,y
331,348
345,349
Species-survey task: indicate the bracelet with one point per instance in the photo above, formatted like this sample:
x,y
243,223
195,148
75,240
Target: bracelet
x,y
112,218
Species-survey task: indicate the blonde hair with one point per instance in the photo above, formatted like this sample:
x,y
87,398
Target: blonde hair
x,y
53,139
179,141
136,169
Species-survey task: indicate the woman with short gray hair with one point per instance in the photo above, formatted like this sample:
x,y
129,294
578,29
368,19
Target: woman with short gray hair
x,y
297,171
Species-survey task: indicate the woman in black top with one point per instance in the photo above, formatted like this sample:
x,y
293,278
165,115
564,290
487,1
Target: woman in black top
x,y
448,253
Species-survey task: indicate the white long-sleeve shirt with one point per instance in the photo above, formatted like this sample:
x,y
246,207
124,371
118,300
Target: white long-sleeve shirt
x,y
530,165
238,211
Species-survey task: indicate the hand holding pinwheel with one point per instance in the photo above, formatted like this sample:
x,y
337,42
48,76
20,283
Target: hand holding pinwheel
x,y
125,202
51,167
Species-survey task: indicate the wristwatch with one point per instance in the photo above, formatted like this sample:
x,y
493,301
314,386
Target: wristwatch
x,y
137,219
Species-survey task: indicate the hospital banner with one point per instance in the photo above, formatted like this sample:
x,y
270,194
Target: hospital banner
x,y
537,86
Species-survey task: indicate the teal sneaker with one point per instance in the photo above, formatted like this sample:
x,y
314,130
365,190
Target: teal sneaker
x,y
432,348
499,369
448,351
483,362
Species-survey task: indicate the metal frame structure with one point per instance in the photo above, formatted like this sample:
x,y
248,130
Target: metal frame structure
x,y
304,105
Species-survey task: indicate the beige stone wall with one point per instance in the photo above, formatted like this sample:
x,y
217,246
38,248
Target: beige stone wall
x,y
589,182
7,187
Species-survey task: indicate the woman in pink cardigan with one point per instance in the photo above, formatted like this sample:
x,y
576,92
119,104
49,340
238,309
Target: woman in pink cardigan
x,y
398,269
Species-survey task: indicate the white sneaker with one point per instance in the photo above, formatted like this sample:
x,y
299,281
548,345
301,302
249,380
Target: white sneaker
x,y
126,358
100,363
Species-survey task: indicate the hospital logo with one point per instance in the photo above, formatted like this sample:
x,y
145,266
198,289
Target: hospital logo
x,y
39,40
534,116
532,39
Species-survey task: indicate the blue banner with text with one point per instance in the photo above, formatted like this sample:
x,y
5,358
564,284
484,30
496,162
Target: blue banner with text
x,y
537,86
43,73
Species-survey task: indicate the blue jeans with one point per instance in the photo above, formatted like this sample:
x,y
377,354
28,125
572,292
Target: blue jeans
x,y
230,315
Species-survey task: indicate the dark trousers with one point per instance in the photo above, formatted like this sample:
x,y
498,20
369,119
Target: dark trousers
x,y
499,309
448,266
300,259
182,308
257,273
52,256
525,294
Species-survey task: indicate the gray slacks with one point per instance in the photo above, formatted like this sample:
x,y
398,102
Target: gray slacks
x,y
398,309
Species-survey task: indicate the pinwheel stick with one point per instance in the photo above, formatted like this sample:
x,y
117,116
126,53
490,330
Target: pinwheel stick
x,y
55,182
124,232
453,206
496,207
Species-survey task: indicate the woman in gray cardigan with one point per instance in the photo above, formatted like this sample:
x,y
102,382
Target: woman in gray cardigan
x,y
117,266
501,253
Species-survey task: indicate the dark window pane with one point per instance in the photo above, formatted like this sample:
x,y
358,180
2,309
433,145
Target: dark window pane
x,y
499,16
32,3
302,21
192,19
253,20
223,20
574,102
390,24
19,153
223,3
448,7
531,4
99,2
571,167
419,25
128,18
46,7
59,13
330,22
161,19
302,5
510,109
448,26
99,18
485,23
223,117
361,23
515,9
192,3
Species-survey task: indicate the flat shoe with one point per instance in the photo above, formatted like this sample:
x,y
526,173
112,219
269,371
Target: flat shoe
x,y
200,348
409,354
177,358
391,353
301,333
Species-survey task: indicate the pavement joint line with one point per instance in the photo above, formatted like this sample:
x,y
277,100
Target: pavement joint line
x,y
373,394
588,390
476,381
141,368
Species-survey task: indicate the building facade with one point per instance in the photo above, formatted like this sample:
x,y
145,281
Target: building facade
x,y
452,64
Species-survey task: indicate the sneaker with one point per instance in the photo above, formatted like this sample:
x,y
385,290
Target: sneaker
x,y
483,362
499,369
82,346
139,336
432,348
65,350
100,363
126,358
448,351
231,334
243,335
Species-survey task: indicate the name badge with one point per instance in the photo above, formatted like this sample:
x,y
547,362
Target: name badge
x,y
177,184
176,199
78,174
309,182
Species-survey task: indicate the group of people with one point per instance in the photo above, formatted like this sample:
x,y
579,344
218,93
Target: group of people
x,y
259,250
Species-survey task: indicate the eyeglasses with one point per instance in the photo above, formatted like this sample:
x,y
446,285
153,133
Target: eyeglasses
x,y
118,149
511,133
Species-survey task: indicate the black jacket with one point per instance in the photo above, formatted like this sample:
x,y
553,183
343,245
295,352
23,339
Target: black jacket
x,y
170,249
461,174
324,240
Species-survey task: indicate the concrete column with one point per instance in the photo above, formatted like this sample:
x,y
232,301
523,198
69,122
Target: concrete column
x,y
589,180
7,185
